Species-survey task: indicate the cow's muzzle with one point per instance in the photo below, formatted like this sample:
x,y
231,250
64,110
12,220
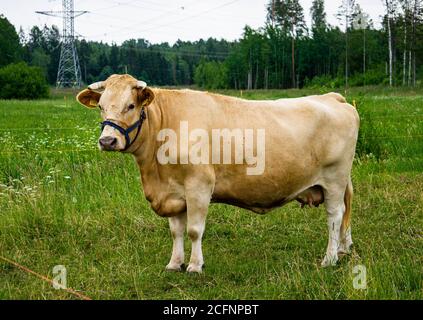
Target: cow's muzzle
x,y
108,143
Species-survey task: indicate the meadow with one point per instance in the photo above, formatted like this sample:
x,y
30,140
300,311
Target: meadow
x,y
62,202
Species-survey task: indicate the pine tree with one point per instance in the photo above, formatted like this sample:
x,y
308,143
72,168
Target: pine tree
x,y
361,22
318,16
9,42
346,14
289,16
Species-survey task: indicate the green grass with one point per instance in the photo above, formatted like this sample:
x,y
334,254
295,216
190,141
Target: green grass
x,y
64,202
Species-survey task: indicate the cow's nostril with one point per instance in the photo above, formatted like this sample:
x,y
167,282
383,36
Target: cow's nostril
x,y
108,142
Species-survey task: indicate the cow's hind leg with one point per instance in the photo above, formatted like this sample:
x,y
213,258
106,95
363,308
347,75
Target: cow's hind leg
x,y
346,240
177,228
198,199
335,208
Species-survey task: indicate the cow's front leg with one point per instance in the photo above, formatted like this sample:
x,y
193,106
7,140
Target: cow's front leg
x,y
177,229
198,200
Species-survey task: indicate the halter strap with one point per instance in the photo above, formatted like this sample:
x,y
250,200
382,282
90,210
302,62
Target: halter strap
x,y
126,132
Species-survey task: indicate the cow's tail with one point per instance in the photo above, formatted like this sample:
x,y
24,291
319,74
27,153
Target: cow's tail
x,y
346,219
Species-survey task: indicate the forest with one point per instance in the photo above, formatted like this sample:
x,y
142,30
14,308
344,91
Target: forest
x,y
284,53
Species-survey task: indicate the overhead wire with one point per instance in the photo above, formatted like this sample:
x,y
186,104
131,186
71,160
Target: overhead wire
x,y
193,16
175,52
133,27
118,4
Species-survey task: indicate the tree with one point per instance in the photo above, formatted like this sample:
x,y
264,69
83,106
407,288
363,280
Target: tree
x,y
361,22
319,46
318,16
282,54
211,75
10,47
19,81
42,48
290,17
407,24
52,48
406,20
237,68
346,13
41,59
417,17
390,6
251,46
114,58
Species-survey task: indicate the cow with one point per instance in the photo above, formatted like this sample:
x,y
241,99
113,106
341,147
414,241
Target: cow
x,y
307,151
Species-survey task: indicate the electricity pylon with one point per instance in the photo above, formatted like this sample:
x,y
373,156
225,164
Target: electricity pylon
x,y
69,71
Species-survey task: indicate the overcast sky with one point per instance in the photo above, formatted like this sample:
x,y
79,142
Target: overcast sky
x,y
163,20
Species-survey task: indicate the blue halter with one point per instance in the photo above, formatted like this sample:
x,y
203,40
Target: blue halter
x,y
125,132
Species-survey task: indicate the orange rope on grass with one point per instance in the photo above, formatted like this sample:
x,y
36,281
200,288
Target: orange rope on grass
x,y
40,276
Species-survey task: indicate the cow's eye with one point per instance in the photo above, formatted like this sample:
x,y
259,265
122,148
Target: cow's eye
x,y
131,106
101,108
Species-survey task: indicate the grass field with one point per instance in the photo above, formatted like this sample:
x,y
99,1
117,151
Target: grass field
x,y
62,202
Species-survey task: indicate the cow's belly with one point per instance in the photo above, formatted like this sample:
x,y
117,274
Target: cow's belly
x,y
260,193
252,201
249,204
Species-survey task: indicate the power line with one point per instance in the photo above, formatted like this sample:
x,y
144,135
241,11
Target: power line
x,y
118,4
114,25
176,51
218,18
133,26
126,20
155,49
193,16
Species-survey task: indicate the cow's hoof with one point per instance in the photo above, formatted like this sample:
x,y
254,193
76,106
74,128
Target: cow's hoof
x,y
174,267
329,261
194,268
344,248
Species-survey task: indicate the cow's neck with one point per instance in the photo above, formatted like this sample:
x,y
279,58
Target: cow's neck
x,y
145,148
145,145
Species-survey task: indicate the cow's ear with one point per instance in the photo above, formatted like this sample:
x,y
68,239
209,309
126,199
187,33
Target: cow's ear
x,y
145,96
88,98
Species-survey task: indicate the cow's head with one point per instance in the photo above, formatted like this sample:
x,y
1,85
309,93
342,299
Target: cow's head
x,y
121,99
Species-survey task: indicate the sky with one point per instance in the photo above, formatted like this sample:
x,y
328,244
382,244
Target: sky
x,y
163,20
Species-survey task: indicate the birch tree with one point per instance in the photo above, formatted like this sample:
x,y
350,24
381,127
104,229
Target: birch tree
x,y
406,7
390,6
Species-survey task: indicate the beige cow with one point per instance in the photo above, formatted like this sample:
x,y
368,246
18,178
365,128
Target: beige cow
x,y
308,152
